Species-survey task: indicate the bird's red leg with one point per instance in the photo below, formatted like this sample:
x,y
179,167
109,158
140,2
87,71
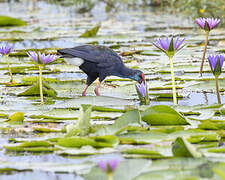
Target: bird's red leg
x,y
96,89
84,92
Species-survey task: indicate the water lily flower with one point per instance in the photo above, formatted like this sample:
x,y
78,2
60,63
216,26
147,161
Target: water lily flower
x,y
41,60
141,88
5,50
170,46
108,166
142,91
216,64
207,24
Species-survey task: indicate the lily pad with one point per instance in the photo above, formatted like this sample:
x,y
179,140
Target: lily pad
x,y
9,21
182,148
130,118
92,32
163,115
35,90
16,118
82,126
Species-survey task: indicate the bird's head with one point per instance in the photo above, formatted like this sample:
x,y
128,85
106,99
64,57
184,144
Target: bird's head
x,y
138,76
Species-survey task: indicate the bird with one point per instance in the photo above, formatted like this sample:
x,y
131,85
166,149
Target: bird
x,y
99,62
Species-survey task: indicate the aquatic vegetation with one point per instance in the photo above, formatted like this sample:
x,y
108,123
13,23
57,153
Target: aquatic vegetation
x,y
70,134
9,21
41,60
216,64
141,88
5,50
142,91
170,46
109,166
194,9
206,24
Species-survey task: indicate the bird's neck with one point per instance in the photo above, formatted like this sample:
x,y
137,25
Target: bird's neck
x,y
126,72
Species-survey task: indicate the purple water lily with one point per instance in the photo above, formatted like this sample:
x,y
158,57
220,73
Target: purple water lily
x,y
207,23
41,58
216,64
5,50
33,55
213,61
142,89
108,166
170,46
167,46
47,58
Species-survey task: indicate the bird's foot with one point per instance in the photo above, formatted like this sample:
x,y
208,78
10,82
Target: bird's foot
x,y
96,92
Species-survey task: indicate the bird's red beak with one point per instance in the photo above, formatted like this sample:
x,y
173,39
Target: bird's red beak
x,y
143,77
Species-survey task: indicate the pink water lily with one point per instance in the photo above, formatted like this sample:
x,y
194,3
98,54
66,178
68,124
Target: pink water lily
x,y
207,23
108,165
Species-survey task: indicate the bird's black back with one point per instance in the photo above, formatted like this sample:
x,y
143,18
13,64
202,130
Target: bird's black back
x,y
101,55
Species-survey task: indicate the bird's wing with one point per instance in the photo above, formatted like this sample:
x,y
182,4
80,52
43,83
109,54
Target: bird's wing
x,y
100,55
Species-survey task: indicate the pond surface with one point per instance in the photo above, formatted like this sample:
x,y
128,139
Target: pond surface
x,y
53,26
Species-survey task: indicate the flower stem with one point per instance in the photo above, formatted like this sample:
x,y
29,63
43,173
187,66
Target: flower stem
x,y
9,68
40,84
218,91
110,176
173,81
205,48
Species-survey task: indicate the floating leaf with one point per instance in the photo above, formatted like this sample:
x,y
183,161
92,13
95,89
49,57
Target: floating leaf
x,y
142,151
9,21
78,142
130,118
182,148
16,118
35,91
163,115
82,126
92,32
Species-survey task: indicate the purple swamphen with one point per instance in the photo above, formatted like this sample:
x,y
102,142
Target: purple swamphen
x,y
99,62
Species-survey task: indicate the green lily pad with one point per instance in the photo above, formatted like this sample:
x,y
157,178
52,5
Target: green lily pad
x,y
182,148
92,32
78,142
35,90
82,126
163,115
16,118
9,21
130,118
